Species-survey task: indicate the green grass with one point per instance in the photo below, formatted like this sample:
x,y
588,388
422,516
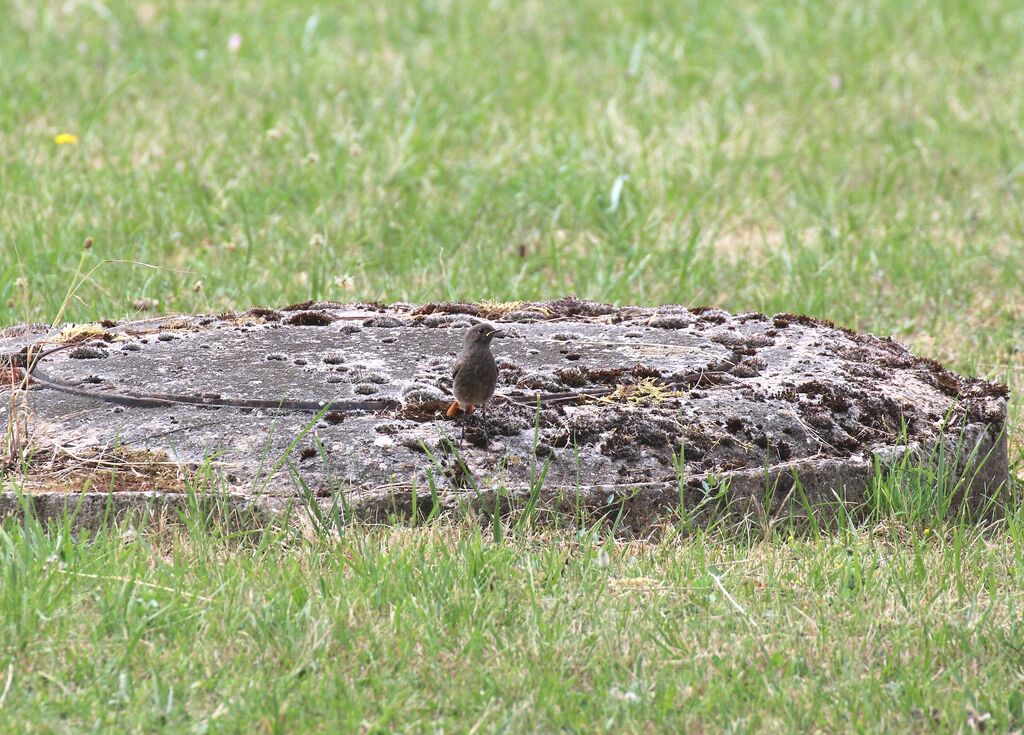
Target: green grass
x,y
875,629
857,161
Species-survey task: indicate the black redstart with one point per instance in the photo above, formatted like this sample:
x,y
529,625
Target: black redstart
x,y
475,371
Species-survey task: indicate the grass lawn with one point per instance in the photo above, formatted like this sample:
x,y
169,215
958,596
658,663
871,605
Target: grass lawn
x,y
856,161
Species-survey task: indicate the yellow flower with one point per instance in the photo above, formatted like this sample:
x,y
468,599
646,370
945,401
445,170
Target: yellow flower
x,y
65,139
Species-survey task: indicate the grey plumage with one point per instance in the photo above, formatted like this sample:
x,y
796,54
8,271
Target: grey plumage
x,y
475,371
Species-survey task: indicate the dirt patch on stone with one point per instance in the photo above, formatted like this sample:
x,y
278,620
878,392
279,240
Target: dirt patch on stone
x,y
450,307
310,319
581,376
115,469
423,411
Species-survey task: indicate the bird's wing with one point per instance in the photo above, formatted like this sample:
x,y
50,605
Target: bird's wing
x,y
456,368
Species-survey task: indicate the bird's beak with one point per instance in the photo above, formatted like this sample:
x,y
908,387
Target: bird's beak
x,y
497,333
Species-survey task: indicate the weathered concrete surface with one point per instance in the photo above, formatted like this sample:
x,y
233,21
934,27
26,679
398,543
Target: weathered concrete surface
x,y
747,399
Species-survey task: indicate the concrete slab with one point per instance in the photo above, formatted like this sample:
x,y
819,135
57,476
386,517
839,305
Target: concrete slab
x,y
620,410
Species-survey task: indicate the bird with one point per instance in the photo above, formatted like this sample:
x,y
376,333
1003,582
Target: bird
x,y
475,373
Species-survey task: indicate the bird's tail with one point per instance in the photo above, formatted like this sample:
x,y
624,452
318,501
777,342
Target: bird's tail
x,y
456,407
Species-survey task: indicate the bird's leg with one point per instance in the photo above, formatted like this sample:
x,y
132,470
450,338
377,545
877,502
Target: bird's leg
x,y
483,423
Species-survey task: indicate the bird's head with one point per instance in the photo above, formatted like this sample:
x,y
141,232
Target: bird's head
x,y
482,334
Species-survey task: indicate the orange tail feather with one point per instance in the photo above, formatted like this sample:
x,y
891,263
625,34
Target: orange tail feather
x,y
456,407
